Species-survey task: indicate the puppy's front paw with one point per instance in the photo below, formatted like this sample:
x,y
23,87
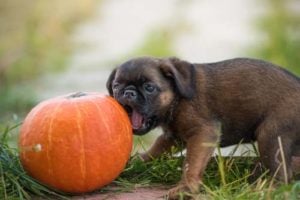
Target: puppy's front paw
x,y
183,191
177,192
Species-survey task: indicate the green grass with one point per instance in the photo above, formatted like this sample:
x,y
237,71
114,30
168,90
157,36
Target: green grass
x,y
14,182
235,184
228,180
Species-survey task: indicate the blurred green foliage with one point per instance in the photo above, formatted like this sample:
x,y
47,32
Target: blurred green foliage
x,y
34,38
34,35
157,43
15,101
281,30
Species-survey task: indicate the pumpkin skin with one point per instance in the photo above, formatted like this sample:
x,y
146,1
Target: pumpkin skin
x,y
76,143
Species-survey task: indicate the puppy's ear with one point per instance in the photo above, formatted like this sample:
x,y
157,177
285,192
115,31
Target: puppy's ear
x,y
110,81
182,74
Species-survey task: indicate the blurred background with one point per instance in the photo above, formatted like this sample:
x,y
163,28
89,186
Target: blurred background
x,y
50,48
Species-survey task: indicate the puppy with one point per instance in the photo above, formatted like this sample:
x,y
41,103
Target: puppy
x,y
247,99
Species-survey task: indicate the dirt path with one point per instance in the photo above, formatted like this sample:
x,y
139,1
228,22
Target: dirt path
x,y
148,193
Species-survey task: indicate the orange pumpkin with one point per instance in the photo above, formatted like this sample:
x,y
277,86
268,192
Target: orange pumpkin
x,y
76,143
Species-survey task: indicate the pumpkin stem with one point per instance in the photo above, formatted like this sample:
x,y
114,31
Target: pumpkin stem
x,y
76,95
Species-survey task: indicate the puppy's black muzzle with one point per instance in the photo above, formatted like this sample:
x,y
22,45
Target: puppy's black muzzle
x,y
130,95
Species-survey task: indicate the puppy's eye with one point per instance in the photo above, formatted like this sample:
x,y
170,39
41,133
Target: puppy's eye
x,y
115,85
149,87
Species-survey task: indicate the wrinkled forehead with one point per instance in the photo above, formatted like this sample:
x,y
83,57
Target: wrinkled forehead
x,y
139,70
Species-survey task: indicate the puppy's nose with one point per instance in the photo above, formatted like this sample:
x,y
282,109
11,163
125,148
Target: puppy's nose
x,y
130,94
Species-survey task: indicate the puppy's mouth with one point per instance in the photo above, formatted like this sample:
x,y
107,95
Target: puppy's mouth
x,y
141,124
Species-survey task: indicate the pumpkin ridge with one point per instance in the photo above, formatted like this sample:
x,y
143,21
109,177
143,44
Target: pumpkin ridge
x,y
121,111
49,140
82,156
99,111
27,128
104,120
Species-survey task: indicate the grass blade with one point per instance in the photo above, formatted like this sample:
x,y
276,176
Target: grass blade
x,y
15,183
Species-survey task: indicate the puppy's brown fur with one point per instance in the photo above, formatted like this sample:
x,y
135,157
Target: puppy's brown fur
x,y
249,99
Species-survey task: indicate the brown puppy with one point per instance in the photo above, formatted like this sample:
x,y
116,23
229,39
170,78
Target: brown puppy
x,y
248,99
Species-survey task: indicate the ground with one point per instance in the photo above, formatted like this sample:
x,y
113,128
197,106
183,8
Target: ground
x,y
139,193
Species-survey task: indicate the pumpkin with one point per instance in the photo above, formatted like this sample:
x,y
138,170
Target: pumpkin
x,y
76,143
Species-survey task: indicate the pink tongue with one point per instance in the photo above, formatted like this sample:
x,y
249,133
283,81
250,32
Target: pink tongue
x,y
136,120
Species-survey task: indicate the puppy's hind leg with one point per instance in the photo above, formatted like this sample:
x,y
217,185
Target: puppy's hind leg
x,y
275,144
296,161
